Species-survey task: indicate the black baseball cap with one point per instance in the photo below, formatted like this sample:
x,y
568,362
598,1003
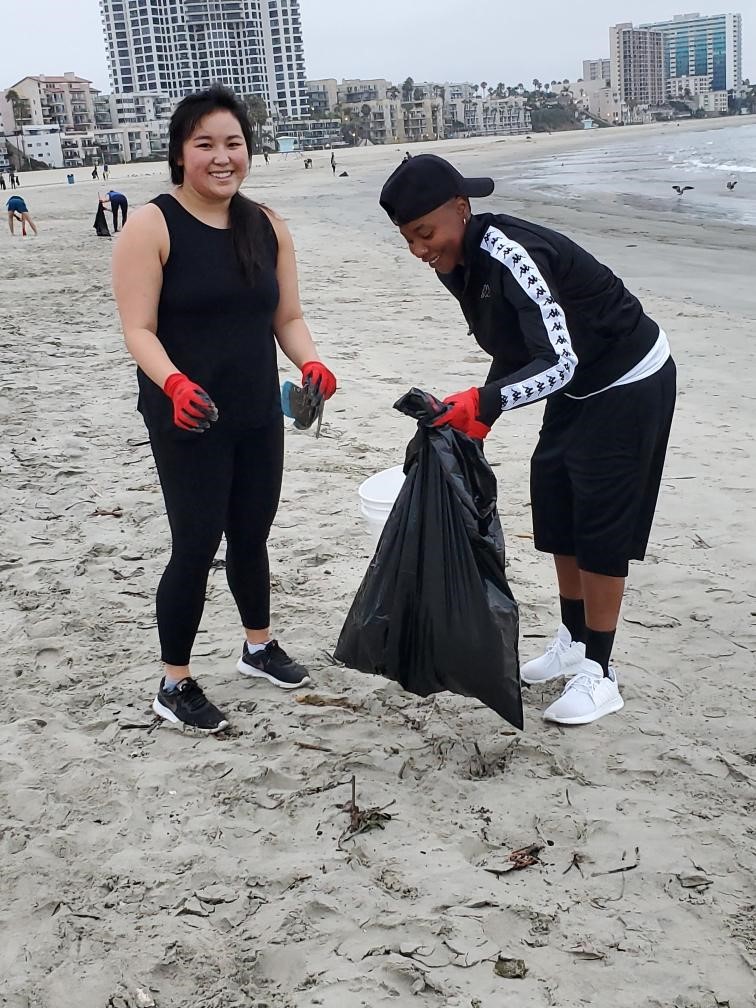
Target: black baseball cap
x,y
424,182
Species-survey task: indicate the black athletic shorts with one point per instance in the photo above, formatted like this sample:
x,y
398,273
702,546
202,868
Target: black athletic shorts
x,y
596,471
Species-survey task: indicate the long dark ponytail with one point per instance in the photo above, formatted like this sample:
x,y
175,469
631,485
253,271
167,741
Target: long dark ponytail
x,y
251,232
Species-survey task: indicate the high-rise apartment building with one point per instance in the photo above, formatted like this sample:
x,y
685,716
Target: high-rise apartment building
x,y
284,59
637,65
597,69
174,47
708,46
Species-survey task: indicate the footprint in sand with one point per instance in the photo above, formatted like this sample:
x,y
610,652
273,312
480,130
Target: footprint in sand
x,y
47,659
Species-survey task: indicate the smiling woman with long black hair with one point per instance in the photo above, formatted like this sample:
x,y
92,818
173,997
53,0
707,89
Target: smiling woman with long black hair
x,y
206,285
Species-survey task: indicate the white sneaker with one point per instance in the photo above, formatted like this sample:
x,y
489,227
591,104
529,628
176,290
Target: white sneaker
x,y
562,657
587,696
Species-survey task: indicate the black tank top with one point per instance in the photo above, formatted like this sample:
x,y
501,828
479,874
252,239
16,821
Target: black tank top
x,y
215,325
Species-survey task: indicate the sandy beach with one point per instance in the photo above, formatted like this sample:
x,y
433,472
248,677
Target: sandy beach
x,y
139,865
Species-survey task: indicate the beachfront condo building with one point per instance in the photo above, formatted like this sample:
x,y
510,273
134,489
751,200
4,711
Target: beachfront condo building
x,y
65,101
697,46
175,47
325,94
597,70
637,65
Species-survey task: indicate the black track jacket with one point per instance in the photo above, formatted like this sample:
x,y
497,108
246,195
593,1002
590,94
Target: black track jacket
x,y
551,316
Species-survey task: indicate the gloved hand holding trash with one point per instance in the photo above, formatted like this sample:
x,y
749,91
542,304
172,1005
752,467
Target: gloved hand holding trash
x,y
304,404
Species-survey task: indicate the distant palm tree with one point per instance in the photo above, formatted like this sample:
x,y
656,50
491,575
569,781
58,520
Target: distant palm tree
x,y
344,112
21,107
21,111
407,89
257,111
365,113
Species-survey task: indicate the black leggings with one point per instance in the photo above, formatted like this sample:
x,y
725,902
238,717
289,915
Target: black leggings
x,y
213,483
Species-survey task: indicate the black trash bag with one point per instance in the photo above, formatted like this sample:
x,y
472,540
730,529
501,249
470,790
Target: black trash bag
x,y
100,224
434,611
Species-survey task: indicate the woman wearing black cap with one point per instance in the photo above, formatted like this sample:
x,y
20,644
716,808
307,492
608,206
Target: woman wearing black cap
x,y
559,326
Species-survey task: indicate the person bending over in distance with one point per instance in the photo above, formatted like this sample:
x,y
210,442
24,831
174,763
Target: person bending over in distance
x,y
18,211
117,201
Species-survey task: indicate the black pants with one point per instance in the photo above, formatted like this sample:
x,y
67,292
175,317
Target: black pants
x,y
215,483
124,207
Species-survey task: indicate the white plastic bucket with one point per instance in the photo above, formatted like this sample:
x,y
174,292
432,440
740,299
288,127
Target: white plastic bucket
x,y
377,496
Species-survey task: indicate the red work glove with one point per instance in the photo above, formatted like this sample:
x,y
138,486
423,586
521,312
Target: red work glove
x,y
463,415
193,409
319,377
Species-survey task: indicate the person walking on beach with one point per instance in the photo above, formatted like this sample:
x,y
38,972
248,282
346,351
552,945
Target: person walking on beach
x,y
559,326
95,175
333,162
105,172
117,201
12,179
206,285
2,181
18,210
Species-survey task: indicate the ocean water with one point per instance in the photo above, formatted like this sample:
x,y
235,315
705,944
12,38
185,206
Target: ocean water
x,y
641,172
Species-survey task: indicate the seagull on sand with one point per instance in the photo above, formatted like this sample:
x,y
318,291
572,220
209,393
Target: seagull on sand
x,y
731,184
680,189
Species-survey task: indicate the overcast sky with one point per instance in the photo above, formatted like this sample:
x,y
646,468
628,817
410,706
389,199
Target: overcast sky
x,y
496,40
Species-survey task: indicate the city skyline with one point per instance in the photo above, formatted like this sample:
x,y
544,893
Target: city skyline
x,y
334,39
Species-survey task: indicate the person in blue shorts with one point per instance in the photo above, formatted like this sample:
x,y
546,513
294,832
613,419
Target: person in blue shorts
x,y
117,202
18,210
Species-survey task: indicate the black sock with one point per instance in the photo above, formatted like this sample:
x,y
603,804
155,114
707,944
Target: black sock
x,y
573,616
598,646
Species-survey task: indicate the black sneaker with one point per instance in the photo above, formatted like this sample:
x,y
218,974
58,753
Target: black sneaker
x,y
272,663
188,705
